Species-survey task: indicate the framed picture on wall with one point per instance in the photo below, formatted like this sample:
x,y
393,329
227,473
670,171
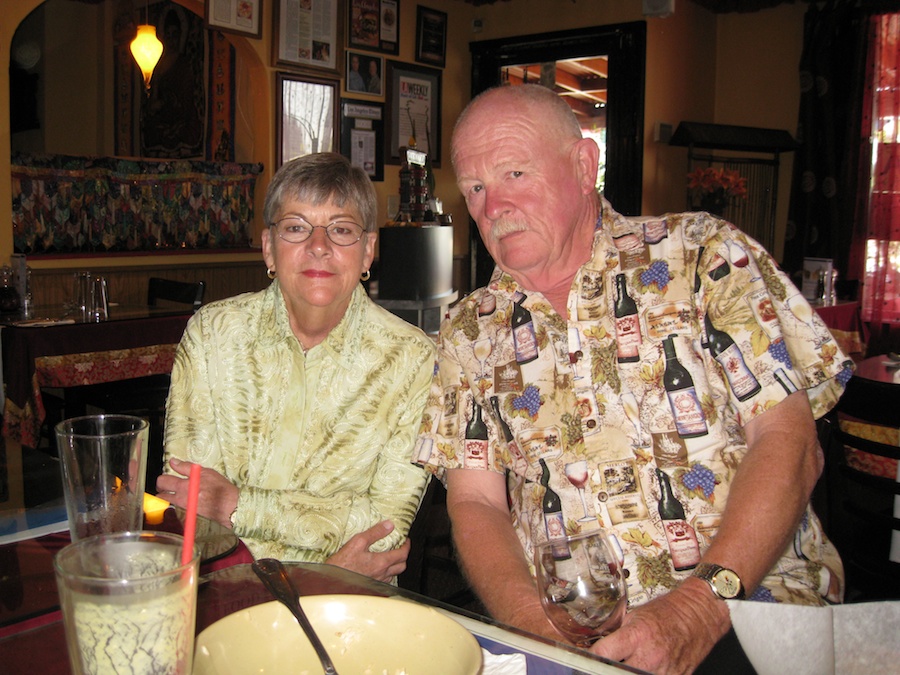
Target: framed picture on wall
x,y
243,17
374,25
431,36
413,104
306,116
362,135
306,34
364,74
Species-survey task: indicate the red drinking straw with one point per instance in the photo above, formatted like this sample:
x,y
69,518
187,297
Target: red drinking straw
x,y
190,520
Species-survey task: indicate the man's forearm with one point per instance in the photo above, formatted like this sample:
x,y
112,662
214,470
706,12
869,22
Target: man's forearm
x,y
493,562
769,492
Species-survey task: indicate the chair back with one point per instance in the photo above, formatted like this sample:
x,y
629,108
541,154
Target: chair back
x,y
863,499
182,292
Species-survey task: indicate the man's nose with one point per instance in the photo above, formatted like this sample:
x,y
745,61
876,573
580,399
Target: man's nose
x,y
496,203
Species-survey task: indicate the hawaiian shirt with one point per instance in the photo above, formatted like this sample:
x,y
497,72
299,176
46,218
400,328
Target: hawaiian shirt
x,y
318,441
678,331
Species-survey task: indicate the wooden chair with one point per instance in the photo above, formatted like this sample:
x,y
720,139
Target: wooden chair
x,y
863,437
181,292
142,396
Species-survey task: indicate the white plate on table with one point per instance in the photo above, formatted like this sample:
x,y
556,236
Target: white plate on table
x,y
362,634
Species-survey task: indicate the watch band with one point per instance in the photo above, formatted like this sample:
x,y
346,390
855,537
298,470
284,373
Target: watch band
x,y
725,583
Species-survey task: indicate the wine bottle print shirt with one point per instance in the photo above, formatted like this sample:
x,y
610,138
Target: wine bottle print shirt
x,y
579,400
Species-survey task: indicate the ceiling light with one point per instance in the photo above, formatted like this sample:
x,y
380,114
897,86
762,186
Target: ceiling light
x,y
146,49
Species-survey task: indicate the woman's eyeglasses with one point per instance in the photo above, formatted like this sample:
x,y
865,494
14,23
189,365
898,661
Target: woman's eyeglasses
x,y
297,230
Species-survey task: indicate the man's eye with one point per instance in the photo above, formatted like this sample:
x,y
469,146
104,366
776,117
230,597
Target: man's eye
x,y
517,174
475,189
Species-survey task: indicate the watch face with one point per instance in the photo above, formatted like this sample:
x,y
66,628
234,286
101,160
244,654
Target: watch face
x,y
727,583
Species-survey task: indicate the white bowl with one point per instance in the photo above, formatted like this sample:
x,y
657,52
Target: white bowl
x,y
363,634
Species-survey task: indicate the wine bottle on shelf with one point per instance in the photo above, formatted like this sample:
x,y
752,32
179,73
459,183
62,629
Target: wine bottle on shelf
x,y
681,537
476,440
690,421
628,324
554,523
742,382
524,337
520,465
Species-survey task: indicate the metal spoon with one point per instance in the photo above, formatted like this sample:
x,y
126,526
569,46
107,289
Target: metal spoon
x,y
275,578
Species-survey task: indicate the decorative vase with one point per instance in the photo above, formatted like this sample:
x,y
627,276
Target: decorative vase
x,y
714,202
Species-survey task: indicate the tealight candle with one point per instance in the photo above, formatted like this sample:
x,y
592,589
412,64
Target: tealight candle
x,y
154,509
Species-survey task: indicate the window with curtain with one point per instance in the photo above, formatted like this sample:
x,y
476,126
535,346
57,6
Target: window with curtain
x,y
881,291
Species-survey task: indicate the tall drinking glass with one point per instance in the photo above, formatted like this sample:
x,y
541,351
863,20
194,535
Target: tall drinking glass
x,y
104,464
128,603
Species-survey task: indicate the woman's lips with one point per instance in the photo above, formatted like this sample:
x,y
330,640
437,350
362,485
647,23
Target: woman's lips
x,y
317,274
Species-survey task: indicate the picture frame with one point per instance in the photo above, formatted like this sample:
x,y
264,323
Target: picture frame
x,y
431,36
362,135
306,35
364,74
306,121
374,25
242,17
412,101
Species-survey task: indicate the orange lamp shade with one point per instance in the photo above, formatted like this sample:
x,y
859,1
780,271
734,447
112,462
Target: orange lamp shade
x,y
146,49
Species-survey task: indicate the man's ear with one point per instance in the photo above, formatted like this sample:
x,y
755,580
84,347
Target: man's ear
x,y
587,158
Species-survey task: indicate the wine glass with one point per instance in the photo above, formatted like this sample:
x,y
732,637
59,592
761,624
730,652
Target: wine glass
x,y
483,349
577,473
633,413
582,586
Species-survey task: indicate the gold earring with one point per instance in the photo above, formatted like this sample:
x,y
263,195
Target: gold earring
x,y
270,273
365,276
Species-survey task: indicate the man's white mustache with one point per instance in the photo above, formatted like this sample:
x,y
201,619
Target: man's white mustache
x,y
504,227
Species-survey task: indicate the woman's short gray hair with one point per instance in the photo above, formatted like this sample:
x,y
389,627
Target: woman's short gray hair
x,y
321,177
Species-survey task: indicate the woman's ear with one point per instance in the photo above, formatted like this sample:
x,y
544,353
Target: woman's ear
x,y
267,243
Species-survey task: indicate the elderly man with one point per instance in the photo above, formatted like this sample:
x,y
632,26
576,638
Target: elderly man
x,y
669,354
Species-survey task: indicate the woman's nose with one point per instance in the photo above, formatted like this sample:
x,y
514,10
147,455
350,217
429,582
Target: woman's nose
x,y
318,240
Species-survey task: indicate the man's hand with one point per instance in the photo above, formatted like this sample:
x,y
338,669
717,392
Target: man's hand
x,y
356,556
671,634
218,495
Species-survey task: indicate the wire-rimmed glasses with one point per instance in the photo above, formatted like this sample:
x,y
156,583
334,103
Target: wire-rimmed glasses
x,y
296,230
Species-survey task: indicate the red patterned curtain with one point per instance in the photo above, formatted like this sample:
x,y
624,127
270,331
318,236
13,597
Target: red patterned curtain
x,y
881,133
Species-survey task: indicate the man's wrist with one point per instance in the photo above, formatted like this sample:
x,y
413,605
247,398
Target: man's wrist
x,y
724,583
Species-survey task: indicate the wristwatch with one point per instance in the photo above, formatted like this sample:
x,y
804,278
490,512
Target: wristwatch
x,y
725,583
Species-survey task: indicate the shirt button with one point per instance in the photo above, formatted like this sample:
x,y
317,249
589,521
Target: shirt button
x,y
591,424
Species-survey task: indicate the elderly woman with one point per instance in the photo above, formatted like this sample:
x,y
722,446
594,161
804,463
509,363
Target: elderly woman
x,y
302,402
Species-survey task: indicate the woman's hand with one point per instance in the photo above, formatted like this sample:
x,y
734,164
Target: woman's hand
x,y
356,556
218,495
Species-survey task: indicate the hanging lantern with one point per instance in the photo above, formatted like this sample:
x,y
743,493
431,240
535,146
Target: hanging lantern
x,y
146,49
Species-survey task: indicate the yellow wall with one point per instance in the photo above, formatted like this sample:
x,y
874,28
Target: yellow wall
x,y
734,68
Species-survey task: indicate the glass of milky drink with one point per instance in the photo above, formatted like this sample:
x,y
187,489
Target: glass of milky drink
x,y
128,603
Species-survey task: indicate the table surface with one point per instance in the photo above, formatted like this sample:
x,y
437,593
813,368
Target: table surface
x,y
880,369
42,649
29,348
27,581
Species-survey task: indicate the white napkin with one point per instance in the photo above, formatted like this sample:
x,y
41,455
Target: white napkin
x,y
503,664
839,640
